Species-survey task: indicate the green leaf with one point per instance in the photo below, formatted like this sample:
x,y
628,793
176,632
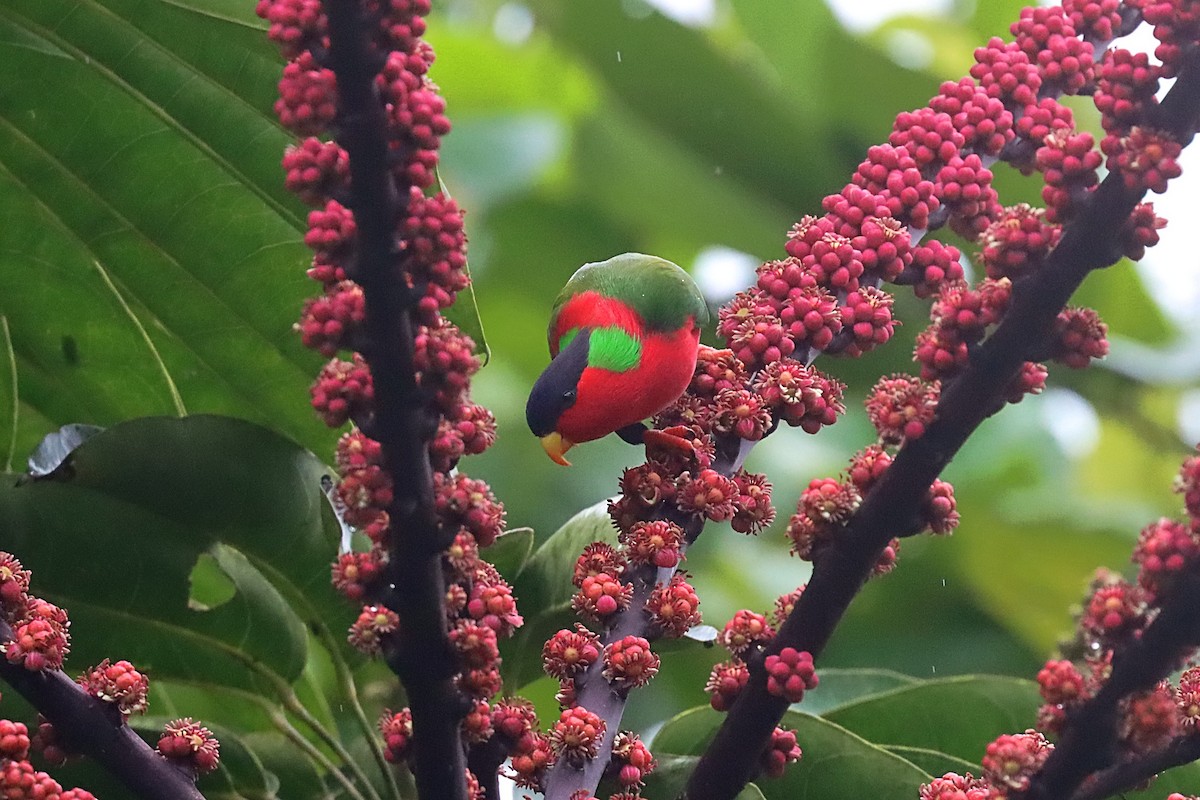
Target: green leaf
x,y
465,311
142,504
671,774
836,763
509,552
1030,594
544,584
139,183
1182,779
1120,296
543,589
934,762
957,716
299,778
838,687
638,59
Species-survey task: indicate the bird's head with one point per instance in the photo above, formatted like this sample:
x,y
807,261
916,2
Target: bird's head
x,y
554,393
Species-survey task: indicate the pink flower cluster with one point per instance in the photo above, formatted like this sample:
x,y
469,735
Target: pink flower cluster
x,y
431,265
39,642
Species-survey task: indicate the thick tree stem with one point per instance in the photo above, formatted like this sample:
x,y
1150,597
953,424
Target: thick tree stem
x,y
1128,775
420,652
1088,742
1089,242
593,691
91,727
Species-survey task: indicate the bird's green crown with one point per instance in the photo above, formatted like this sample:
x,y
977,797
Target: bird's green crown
x,y
662,294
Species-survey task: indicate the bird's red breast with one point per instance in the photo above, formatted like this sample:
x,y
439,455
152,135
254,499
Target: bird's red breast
x,y
609,400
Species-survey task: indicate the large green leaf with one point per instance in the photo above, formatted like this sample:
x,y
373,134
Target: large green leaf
x,y
934,762
543,589
147,233
1028,576
509,553
671,774
140,504
839,687
956,716
837,764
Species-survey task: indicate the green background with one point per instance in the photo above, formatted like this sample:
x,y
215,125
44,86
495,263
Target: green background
x,y
146,234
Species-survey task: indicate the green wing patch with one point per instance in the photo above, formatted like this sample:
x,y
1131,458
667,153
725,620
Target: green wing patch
x,y
613,349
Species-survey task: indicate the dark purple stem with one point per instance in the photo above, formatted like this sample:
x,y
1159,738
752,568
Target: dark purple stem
x,y
420,652
484,761
593,690
1089,242
594,693
1089,739
93,728
1128,775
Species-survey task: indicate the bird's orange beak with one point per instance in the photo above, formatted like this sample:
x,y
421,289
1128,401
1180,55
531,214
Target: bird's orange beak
x,y
555,445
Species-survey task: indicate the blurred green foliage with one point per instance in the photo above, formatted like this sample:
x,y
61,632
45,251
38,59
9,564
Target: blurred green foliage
x,y
139,179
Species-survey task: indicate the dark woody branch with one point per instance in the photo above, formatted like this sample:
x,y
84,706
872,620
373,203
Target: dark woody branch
x,y
1088,741
420,651
1128,775
94,728
1088,243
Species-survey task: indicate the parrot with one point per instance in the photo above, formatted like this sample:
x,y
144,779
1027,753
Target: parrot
x,y
623,336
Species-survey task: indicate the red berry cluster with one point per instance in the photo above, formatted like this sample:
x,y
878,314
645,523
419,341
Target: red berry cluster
x,y
575,737
1115,614
827,504
782,750
935,170
41,636
120,684
396,729
1011,760
430,259
191,745
1187,699
953,786
901,407
570,652
629,663
725,682
790,674
674,607
39,641
631,760
1149,719
1009,764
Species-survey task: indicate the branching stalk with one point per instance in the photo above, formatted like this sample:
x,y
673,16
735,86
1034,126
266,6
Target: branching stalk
x,y
1089,242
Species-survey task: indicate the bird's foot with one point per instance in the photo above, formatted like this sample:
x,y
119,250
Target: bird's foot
x,y
674,441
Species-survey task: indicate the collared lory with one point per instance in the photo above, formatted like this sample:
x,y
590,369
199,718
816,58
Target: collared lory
x,y
623,339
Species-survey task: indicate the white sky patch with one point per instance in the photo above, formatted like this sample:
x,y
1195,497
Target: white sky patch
x,y
1189,416
513,23
720,272
693,13
859,17
910,49
1171,269
1071,420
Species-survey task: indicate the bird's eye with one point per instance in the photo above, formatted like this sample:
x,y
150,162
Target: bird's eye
x,y
569,396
